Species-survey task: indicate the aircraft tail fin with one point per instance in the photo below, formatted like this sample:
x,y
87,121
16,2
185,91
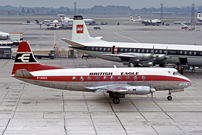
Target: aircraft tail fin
x,y
131,18
64,18
80,32
199,16
25,60
139,18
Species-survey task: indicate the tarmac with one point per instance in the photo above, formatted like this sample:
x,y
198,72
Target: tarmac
x,y
34,110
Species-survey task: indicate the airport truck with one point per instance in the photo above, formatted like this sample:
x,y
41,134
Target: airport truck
x,y
42,54
5,52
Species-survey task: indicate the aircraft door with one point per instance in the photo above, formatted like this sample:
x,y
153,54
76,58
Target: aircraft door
x,y
183,61
114,50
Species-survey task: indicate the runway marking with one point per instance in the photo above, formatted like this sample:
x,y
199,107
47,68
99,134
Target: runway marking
x,y
126,37
116,114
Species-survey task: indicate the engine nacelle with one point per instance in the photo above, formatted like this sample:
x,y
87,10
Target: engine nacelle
x,y
147,64
143,56
141,90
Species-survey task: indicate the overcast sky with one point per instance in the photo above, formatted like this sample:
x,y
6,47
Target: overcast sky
x,y
91,3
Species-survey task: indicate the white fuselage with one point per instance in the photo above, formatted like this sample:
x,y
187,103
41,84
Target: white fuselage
x,y
81,79
193,53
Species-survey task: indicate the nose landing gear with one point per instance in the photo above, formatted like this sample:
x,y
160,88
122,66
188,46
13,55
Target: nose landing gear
x,y
169,97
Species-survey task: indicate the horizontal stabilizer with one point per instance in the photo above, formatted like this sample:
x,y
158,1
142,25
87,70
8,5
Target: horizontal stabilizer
x,y
74,44
23,73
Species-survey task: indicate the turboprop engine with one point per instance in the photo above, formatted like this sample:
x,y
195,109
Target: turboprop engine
x,y
140,90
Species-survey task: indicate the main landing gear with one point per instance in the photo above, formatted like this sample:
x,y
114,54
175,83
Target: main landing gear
x,y
169,96
116,100
116,97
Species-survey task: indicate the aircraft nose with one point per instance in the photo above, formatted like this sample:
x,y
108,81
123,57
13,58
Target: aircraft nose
x,y
188,83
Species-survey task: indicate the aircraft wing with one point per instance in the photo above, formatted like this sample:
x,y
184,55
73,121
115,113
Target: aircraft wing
x,y
110,88
123,89
72,43
122,55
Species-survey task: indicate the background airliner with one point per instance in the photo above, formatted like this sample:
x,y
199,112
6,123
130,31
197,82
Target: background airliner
x,y
199,17
69,21
153,22
4,35
115,81
139,54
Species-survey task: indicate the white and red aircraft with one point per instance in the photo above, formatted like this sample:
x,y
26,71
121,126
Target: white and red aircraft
x,y
69,21
115,81
143,54
199,17
4,35
153,22
138,19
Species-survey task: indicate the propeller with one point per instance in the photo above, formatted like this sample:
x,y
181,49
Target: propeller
x,y
166,57
153,56
151,91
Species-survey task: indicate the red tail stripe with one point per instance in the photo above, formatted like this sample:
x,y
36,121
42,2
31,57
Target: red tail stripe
x,y
24,47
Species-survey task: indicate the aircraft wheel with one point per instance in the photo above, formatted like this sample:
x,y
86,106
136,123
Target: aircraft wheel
x,y
169,98
116,100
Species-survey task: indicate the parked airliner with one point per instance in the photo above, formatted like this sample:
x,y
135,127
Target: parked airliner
x,y
115,81
4,35
143,54
199,17
153,22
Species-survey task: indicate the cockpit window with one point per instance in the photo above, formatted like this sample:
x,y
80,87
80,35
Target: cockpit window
x,y
176,73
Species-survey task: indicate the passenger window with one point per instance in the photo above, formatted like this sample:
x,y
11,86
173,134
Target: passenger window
x,y
120,78
135,78
74,78
104,49
100,48
126,50
105,78
134,50
156,51
143,78
127,78
81,78
112,78
97,78
130,50
89,78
